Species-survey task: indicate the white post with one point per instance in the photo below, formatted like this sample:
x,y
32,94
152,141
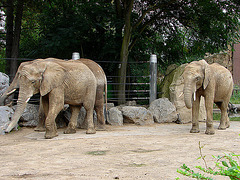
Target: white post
x,y
153,78
75,56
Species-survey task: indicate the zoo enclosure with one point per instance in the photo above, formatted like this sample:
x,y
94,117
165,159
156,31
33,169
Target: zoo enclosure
x,y
141,88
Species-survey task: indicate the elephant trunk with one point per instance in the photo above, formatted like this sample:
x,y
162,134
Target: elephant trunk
x,y
21,105
189,95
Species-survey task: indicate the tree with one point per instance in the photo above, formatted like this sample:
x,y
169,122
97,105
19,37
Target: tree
x,y
14,11
212,22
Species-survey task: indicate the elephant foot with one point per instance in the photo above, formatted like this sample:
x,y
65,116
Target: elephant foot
x,y
210,131
222,127
101,127
70,131
228,125
91,131
50,135
40,129
194,130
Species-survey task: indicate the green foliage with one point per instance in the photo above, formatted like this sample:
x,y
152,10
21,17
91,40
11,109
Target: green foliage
x,y
235,98
226,165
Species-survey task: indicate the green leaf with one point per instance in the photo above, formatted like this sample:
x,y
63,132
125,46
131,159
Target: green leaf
x,y
225,163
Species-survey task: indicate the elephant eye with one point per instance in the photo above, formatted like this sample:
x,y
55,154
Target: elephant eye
x,y
197,78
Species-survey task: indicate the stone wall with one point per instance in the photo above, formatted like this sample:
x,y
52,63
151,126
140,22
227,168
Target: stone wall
x,y
222,58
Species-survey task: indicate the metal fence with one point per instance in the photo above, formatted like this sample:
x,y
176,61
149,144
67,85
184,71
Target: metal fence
x,y
141,88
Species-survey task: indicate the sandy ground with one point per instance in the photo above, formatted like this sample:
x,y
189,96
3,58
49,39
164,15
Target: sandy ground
x,y
127,152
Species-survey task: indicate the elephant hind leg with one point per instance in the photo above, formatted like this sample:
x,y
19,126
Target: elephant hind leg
x,y
100,116
73,121
224,121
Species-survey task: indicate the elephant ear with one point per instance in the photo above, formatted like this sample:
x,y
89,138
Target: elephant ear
x,y
53,76
207,73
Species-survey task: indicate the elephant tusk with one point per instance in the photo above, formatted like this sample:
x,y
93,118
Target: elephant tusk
x,y
27,100
194,96
180,94
11,92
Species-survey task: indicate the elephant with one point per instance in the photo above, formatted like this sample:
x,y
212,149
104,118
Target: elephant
x,y
59,83
101,87
215,83
99,102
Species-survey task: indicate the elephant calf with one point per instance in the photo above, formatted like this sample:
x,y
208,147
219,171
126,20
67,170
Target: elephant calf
x,y
215,83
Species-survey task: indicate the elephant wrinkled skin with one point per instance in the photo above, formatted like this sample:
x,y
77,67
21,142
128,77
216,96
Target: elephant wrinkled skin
x,y
214,82
58,83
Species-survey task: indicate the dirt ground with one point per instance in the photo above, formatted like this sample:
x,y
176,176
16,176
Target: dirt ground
x,y
127,152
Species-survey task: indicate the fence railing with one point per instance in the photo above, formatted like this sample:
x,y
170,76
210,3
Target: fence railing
x,y
141,88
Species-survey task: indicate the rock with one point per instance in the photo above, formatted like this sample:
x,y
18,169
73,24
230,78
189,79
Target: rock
x,y
137,115
4,82
30,116
81,117
163,111
115,117
5,118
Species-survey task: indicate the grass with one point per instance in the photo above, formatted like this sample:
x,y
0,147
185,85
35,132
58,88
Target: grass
x,y
97,153
235,99
217,116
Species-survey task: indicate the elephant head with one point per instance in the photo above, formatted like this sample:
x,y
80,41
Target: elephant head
x,y
196,75
34,78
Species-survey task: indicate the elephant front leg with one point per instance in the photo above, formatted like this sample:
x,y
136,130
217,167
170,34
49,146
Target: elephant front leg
x,y
56,104
41,123
195,114
209,123
73,121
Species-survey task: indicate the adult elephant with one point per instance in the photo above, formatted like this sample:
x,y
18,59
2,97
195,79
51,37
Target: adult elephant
x,y
214,82
101,87
59,83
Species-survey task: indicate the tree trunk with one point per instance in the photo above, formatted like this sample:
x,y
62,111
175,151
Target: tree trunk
x,y
16,39
9,32
128,5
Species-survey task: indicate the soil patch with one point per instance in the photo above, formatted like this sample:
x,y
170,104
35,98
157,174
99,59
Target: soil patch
x,y
127,152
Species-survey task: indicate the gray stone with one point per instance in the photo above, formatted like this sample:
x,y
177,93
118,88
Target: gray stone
x,y
30,116
5,118
137,115
4,82
115,117
163,111
81,117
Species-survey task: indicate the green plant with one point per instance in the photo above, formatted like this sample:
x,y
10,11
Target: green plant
x,y
226,165
97,153
235,99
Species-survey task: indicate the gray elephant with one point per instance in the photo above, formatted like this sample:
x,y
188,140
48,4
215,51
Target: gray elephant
x,y
58,82
214,82
101,87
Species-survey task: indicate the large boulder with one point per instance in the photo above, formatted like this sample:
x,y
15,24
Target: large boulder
x,y
137,115
115,117
4,82
163,111
81,117
6,114
175,87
